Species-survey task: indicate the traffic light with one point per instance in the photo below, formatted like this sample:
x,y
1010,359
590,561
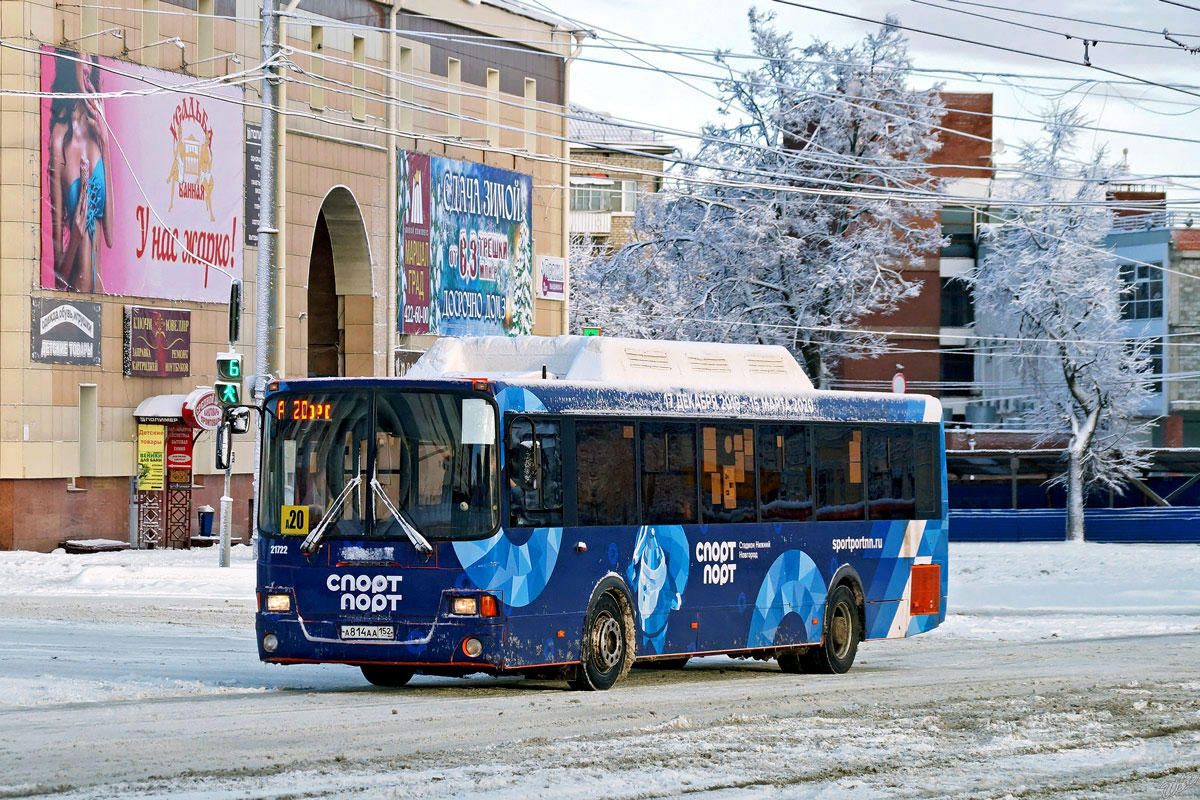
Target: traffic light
x,y
229,379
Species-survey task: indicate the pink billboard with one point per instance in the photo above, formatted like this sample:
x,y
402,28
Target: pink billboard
x,y
142,183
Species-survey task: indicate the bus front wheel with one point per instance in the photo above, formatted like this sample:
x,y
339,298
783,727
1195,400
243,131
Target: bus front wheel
x,y
383,675
843,631
606,650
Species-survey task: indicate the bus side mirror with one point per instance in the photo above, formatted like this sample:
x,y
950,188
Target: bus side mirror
x,y
522,464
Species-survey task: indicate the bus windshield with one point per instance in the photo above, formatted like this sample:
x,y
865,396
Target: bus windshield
x,y
429,456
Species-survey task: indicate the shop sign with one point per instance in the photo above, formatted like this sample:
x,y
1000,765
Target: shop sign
x,y
201,409
466,248
552,278
158,342
179,454
65,332
151,447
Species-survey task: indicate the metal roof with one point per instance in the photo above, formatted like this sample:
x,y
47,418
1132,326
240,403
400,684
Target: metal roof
x,y
588,128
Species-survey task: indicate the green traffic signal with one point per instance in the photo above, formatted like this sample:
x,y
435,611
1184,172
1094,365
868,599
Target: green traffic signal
x,y
229,394
229,367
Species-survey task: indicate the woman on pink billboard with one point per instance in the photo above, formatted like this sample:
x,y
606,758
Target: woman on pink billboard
x,y
80,185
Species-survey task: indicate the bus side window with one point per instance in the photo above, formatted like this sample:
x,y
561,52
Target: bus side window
x,y
605,476
785,481
668,473
727,474
839,473
928,463
891,471
534,463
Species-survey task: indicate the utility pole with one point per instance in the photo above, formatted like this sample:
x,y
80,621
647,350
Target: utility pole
x,y
268,229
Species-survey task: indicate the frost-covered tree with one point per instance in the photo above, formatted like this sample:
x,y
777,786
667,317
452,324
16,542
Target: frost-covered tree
x,y
795,240
1051,289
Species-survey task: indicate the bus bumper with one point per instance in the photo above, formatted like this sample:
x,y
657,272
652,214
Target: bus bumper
x,y
441,646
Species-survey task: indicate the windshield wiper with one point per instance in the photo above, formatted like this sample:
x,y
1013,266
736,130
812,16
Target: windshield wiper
x,y
313,539
414,535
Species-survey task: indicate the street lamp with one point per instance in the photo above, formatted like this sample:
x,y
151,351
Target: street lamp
x,y
116,33
175,40
233,57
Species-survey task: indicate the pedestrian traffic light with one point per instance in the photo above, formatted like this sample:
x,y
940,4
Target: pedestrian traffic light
x,y
229,379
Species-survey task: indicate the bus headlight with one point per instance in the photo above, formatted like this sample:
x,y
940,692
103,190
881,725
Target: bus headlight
x,y
465,606
270,643
279,603
472,647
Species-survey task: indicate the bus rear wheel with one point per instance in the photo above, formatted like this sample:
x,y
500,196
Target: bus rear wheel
x,y
843,631
605,653
384,675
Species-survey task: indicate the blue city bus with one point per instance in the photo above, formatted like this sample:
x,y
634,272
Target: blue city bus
x,y
568,523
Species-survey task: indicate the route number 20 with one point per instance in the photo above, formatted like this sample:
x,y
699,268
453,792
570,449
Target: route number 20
x,y
293,520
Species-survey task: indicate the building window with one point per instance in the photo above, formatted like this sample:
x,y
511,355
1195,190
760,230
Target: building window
x,y
958,372
359,75
316,66
453,97
621,196
958,306
958,225
1143,298
1154,372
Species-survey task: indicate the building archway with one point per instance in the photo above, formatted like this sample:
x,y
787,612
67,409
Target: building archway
x,y
341,311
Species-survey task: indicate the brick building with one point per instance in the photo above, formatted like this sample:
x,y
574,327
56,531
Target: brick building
x,y
611,166
125,217
942,312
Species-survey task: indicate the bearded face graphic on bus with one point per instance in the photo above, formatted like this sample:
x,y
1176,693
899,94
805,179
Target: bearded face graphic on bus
x,y
658,575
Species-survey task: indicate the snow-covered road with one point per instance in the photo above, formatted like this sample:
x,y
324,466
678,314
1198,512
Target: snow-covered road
x,y
1030,690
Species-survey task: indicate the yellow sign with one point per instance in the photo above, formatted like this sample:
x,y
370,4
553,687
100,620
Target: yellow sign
x,y
293,520
152,441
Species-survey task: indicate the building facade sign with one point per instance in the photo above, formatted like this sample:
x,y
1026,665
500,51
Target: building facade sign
x,y
179,454
552,278
466,248
158,342
65,332
201,409
142,193
150,449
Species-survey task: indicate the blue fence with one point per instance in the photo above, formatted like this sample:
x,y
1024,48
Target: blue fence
x,y
1149,524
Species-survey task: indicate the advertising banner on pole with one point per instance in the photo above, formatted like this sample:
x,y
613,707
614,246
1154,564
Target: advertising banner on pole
x,y
466,248
142,180
151,447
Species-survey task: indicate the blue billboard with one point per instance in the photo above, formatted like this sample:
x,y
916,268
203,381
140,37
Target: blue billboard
x,y
466,248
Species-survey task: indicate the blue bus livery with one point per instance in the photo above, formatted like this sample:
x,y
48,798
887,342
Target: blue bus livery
x,y
564,507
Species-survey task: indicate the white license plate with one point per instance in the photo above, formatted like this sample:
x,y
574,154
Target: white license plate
x,y
368,632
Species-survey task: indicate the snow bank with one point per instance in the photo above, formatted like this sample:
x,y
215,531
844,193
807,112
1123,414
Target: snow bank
x,y
147,573
1069,590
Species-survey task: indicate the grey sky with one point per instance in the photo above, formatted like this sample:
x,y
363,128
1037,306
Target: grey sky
x,y
709,24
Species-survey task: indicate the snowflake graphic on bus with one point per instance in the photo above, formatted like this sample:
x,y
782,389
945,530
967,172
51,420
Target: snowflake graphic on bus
x,y
658,575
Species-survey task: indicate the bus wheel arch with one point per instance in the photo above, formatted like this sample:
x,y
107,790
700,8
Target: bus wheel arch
x,y
608,641
847,576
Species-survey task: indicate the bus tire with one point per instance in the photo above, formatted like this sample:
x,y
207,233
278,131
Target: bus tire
x,y
605,652
385,675
843,631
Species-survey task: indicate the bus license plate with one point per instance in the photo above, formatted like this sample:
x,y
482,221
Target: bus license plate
x,y
368,632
